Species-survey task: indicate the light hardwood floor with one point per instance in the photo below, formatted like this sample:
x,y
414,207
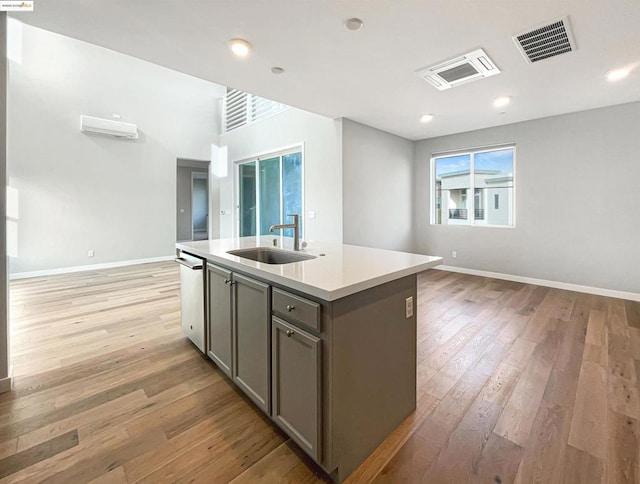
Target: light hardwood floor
x,y
516,383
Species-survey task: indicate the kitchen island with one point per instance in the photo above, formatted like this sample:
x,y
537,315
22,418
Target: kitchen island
x,y
326,347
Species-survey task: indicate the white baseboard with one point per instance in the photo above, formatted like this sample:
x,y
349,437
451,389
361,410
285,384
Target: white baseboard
x,y
632,296
92,267
6,384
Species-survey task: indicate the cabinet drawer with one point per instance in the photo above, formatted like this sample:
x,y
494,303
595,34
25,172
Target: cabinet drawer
x,y
296,309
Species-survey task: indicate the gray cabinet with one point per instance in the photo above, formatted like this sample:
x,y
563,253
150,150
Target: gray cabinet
x,y
251,368
219,318
314,366
296,367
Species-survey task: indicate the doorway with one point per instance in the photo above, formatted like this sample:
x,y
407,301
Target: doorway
x,y
193,200
199,206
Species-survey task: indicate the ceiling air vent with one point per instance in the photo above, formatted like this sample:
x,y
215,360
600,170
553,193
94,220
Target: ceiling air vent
x,y
546,41
469,67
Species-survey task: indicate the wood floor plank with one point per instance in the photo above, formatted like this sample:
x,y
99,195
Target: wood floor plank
x,y
589,422
89,469
221,460
8,447
632,311
623,459
43,451
543,458
498,462
624,397
85,450
499,387
456,461
517,418
582,467
77,420
216,424
114,476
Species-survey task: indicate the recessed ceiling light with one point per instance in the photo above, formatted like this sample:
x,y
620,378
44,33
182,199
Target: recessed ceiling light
x,y
501,101
240,47
353,24
617,74
426,118
277,70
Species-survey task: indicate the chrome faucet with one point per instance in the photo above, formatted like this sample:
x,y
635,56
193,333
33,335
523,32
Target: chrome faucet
x,y
296,230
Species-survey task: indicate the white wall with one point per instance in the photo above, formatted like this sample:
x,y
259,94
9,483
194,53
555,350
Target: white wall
x,y
322,140
378,189
577,199
79,191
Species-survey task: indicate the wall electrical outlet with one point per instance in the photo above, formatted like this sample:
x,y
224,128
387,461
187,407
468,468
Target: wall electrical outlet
x,y
91,253
454,254
408,307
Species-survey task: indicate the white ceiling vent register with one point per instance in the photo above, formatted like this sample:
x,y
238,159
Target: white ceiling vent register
x,y
469,67
119,129
546,41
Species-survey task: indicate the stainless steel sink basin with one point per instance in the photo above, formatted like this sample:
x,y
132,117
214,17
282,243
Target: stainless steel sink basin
x,y
267,255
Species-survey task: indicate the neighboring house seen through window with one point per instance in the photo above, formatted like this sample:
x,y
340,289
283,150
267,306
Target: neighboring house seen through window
x,y
488,174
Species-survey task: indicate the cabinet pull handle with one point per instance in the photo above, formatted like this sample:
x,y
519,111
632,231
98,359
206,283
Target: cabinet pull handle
x,y
227,281
290,307
289,333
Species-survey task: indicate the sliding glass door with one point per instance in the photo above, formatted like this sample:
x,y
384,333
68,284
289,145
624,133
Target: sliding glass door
x,y
268,189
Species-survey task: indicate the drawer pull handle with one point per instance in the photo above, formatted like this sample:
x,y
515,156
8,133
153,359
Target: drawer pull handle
x,y
289,333
290,307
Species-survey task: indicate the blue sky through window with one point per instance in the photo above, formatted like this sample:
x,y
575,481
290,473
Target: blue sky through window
x,y
499,160
452,164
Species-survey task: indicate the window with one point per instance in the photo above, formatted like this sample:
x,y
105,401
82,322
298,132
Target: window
x,y
269,188
240,108
485,173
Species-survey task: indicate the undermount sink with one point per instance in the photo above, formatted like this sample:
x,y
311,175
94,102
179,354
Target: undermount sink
x,y
267,255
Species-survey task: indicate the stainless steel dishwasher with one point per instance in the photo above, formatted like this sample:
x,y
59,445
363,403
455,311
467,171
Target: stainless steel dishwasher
x,y
192,284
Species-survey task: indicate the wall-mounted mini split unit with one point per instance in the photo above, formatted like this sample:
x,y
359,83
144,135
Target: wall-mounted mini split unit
x,y
89,124
546,41
454,72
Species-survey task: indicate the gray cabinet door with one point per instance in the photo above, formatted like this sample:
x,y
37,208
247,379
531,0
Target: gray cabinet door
x,y
296,385
252,365
220,327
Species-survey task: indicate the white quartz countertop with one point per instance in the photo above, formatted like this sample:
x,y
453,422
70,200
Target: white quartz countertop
x,y
337,271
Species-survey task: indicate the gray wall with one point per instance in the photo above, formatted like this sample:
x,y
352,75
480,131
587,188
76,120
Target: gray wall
x,y
377,188
577,199
184,201
82,192
322,140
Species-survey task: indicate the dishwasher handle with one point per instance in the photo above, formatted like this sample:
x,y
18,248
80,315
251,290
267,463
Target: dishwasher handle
x,y
194,266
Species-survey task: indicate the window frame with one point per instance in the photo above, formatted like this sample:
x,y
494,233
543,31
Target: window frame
x,y
286,150
472,152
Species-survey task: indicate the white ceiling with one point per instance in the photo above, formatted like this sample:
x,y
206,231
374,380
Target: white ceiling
x,y
369,75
